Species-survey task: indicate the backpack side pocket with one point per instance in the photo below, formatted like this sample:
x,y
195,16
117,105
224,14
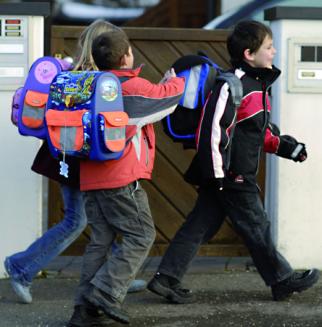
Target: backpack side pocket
x,y
69,131
15,105
33,110
112,129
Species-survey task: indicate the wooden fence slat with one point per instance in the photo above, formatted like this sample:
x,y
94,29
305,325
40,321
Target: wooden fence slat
x,y
161,53
215,250
174,152
193,48
151,33
172,186
167,220
220,51
160,239
176,34
148,70
226,235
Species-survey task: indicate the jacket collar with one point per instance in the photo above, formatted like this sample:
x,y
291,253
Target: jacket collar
x,y
263,74
127,72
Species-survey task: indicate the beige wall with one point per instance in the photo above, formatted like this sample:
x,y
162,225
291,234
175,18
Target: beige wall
x,y
294,190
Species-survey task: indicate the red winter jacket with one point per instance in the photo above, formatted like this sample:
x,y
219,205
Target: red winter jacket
x,y
145,103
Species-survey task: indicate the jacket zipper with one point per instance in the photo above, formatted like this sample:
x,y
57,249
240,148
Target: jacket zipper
x,y
264,90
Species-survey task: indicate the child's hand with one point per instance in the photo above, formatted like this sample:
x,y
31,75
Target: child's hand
x,y
290,148
299,154
168,75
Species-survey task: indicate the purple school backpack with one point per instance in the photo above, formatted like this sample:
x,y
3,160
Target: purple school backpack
x,y
29,102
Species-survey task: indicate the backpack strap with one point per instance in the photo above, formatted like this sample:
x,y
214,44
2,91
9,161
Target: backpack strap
x,y
122,80
235,86
236,91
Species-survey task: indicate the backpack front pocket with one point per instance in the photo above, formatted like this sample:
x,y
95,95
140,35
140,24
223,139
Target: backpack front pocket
x,y
33,110
69,131
112,129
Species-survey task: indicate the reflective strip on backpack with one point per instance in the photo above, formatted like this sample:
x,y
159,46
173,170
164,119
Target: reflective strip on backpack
x,y
113,134
192,86
67,138
33,112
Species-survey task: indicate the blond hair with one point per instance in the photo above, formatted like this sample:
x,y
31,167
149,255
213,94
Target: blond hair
x,y
85,59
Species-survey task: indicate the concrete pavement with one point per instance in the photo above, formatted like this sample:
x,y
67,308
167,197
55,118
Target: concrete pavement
x,y
228,292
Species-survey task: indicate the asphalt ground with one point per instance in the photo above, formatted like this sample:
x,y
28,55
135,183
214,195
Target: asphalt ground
x,y
226,293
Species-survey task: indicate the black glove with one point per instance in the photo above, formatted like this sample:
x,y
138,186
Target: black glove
x,y
299,154
289,148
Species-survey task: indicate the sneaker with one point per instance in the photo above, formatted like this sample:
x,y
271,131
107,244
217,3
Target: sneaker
x,y
137,285
298,282
21,290
108,305
84,316
173,293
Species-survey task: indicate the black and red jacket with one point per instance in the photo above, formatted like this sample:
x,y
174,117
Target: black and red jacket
x,y
230,140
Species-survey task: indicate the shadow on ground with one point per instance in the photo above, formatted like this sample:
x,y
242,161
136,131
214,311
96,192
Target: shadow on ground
x,y
232,298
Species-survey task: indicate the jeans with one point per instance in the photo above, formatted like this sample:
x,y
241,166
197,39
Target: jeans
x,y
25,265
249,220
121,211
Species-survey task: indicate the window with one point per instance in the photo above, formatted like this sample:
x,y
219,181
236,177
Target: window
x,y
311,53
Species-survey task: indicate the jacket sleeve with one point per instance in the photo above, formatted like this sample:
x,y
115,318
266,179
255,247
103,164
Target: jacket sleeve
x,y
272,138
284,146
147,103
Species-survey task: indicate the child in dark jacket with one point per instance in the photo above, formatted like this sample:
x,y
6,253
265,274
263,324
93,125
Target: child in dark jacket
x,y
225,168
116,204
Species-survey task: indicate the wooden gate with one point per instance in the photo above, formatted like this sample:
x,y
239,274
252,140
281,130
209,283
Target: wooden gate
x,y
171,199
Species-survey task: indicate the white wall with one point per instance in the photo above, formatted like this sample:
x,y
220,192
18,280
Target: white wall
x,y
294,190
21,190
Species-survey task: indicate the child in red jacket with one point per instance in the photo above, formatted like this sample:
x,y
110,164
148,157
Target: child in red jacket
x,y
116,204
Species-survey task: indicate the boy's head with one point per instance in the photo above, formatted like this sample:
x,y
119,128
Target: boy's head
x,y
85,60
112,50
251,41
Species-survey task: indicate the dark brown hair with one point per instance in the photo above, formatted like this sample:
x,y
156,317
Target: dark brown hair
x,y
248,34
109,48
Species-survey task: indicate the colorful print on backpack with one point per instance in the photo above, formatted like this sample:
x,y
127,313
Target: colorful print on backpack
x,y
85,116
34,95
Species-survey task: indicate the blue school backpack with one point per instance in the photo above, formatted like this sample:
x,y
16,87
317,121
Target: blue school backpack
x,y
85,116
201,75
29,101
